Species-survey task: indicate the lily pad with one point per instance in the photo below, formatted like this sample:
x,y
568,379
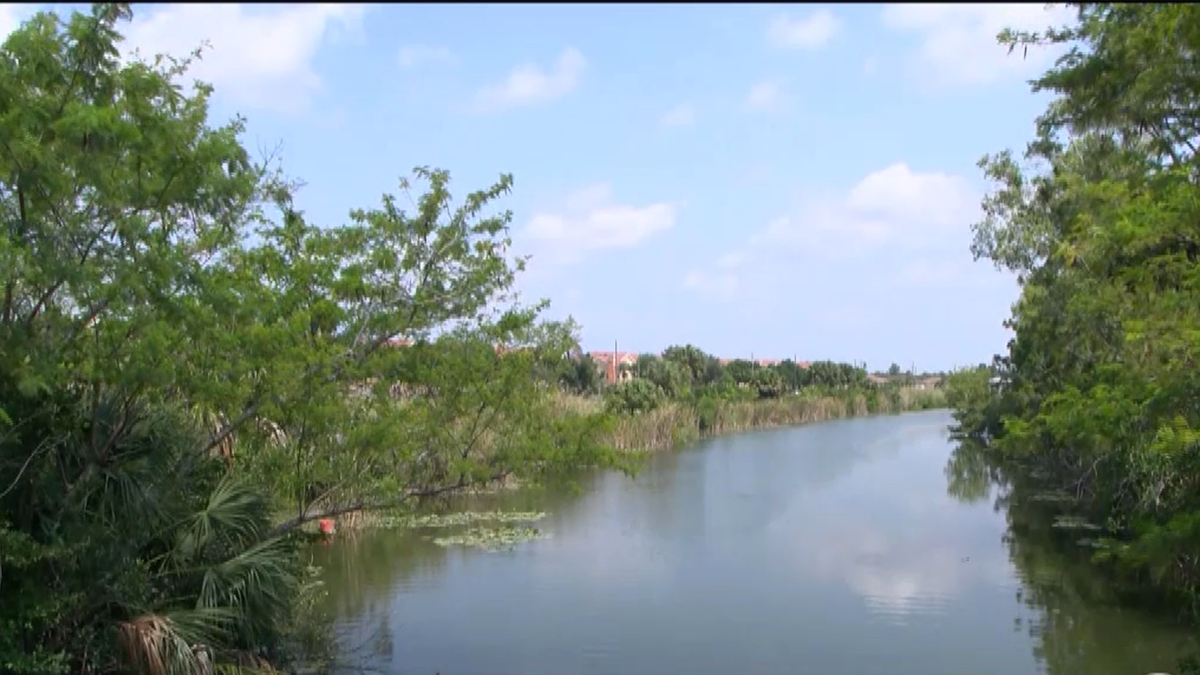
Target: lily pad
x,y
460,519
1075,523
1051,497
492,539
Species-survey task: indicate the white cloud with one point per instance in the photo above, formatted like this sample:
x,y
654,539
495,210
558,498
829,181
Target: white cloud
x,y
896,206
529,84
732,259
765,95
719,286
260,56
920,573
411,56
811,32
958,41
592,222
681,115
11,15
899,195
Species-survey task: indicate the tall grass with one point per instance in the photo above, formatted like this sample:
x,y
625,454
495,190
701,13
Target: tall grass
x,y
678,423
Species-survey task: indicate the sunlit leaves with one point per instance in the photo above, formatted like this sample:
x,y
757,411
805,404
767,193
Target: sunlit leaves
x,y
1102,223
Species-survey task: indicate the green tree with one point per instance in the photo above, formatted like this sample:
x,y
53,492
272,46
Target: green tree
x,y
155,277
633,397
767,382
1100,386
672,377
792,375
741,371
695,362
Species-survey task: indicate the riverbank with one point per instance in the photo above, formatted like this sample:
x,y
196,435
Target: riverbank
x,y
713,532
678,423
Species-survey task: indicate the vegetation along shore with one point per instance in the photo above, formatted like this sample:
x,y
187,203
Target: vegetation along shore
x,y
1093,407
185,354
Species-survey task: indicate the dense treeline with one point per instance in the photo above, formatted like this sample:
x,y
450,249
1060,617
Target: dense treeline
x,y
688,373
1097,399
712,396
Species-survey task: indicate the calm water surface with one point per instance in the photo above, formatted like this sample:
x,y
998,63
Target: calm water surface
x,y
833,548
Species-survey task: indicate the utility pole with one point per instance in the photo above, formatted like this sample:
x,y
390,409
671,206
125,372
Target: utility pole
x,y
614,368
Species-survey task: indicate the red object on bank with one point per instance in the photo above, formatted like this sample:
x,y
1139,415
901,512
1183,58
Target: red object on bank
x,y
326,525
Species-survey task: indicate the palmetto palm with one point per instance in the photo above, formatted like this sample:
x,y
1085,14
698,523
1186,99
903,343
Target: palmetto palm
x,y
171,568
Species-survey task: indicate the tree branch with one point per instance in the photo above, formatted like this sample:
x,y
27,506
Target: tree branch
x,y
333,512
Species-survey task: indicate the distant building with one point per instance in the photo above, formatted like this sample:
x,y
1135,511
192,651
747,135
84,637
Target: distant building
x,y
615,366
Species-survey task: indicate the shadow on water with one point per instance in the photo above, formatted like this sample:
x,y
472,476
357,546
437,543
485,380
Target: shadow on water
x,y
849,547
1080,625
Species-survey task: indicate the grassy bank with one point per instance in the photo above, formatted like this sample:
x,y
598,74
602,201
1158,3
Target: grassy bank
x,y
678,423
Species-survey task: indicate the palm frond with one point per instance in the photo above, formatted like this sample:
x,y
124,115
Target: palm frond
x,y
234,516
156,644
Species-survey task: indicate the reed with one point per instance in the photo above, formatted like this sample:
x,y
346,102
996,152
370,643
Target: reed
x,y
677,423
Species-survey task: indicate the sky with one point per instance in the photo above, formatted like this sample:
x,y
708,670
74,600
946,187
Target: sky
x,y
775,181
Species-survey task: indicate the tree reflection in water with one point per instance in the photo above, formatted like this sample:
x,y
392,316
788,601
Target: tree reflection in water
x,y
1082,625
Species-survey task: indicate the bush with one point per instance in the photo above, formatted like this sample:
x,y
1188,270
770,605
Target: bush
x,y
145,558
976,407
633,397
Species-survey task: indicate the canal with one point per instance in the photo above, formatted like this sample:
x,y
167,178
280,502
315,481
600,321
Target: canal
x,y
845,547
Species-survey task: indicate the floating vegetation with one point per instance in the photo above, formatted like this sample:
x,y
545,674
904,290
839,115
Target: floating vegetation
x,y
1074,523
461,519
1051,497
492,539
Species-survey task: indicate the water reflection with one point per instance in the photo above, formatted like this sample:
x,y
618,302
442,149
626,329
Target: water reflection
x,y
902,548
1077,625
853,547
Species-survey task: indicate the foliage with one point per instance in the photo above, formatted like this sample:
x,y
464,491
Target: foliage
x,y
1100,224
975,402
580,375
700,368
671,377
633,397
163,300
163,553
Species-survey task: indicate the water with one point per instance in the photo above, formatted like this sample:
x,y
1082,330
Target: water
x,y
833,548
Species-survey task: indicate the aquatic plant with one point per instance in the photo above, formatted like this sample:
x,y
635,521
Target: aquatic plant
x,y
459,519
492,539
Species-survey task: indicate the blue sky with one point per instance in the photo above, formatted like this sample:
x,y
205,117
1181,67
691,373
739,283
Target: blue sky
x,y
775,180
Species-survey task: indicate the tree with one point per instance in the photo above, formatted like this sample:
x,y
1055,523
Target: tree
x,y
1101,388
580,375
155,277
671,377
893,370
695,363
741,370
792,375
767,382
633,397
